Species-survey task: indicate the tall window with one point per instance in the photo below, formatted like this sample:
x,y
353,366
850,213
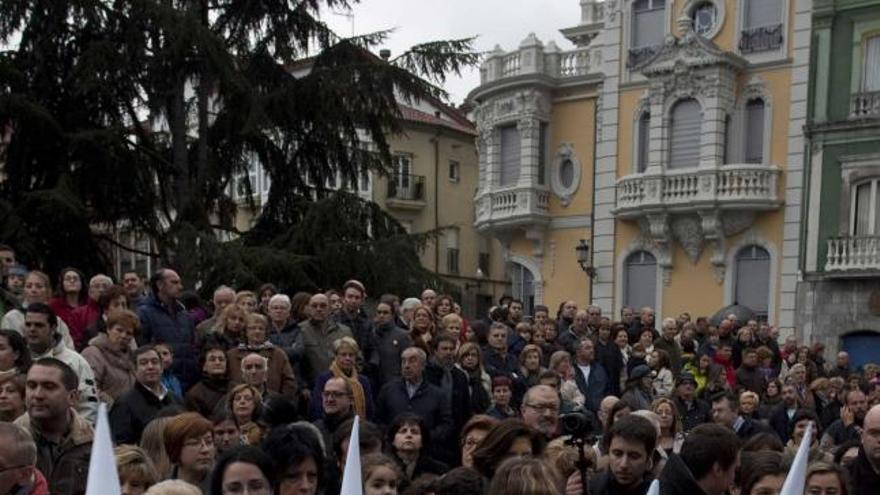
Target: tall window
x,y
640,280
401,176
452,251
753,279
523,286
484,261
685,141
542,154
866,206
643,140
754,152
510,151
872,64
649,22
761,13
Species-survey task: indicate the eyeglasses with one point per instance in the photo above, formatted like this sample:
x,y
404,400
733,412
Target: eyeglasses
x,y
544,408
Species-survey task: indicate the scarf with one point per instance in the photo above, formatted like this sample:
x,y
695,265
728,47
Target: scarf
x,y
357,390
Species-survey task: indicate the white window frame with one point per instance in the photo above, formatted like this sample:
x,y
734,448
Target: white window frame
x,y
872,202
748,238
454,171
756,88
690,7
777,55
632,75
671,127
565,152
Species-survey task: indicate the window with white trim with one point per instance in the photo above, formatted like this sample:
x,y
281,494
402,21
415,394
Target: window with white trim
x,y
648,23
754,145
865,208
510,155
244,180
643,141
484,257
523,282
871,65
753,280
640,280
684,146
401,174
452,251
762,13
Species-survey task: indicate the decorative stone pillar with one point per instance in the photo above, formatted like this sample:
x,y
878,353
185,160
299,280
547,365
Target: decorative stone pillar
x,y
531,53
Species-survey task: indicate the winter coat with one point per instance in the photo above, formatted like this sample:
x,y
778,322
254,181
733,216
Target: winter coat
x,y
63,310
88,392
65,465
676,479
316,409
863,479
83,317
205,397
171,326
606,484
314,346
390,342
114,370
595,388
14,320
132,412
279,373
693,414
663,383
751,379
427,402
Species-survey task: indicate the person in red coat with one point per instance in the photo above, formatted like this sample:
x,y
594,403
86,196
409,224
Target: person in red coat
x,y
87,314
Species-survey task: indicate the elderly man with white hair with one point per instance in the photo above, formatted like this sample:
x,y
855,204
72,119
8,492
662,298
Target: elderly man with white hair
x,y
87,314
667,343
223,297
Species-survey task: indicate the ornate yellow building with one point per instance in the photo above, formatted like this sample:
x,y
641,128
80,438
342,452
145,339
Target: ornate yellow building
x,y
669,139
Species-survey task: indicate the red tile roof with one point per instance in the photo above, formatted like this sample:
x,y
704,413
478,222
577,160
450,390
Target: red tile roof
x,y
413,115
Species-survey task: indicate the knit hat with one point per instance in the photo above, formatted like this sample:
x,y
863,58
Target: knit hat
x,y
639,372
685,377
18,270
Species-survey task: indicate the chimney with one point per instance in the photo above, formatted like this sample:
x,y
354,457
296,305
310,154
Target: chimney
x,y
385,54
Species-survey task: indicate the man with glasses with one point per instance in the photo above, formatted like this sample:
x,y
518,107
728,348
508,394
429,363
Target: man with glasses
x,y
391,340
314,344
63,437
336,409
540,410
18,459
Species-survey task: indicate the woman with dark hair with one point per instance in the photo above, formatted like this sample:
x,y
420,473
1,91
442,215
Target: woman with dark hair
x,y
444,305
770,399
299,306
244,468
525,476
407,442
15,357
658,361
227,436
472,434
761,472
299,459
509,438
71,293
204,396
111,300
265,293
12,395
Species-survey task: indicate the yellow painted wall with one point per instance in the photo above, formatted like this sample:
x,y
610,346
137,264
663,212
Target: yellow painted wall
x,y
574,122
692,287
778,82
628,101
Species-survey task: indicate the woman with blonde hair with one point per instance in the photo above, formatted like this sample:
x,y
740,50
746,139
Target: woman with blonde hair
x,y
525,476
231,325
344,365
469,359
671,432
246,300
153,444
421,328
37,289
136,471
245,404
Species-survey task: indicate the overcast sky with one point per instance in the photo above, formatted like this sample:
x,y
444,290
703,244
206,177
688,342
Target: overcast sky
x,y
502,22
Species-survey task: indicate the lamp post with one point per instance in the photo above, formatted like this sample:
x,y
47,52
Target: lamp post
x,y
582,250
475,285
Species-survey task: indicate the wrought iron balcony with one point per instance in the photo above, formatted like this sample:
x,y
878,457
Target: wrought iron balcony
x,y
406,190
865,105
733,187
509,207
853,253
760,39
639,55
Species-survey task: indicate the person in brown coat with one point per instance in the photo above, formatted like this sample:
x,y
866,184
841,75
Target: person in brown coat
x,y
280,378
108,355
206,396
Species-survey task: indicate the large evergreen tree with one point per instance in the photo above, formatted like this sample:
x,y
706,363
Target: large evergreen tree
x,y
139,113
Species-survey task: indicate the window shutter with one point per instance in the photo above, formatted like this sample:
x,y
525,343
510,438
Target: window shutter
x,y
510,150
641,280
649,21
685,145
872,64
755,131
763,13
753,279
644,139
542,154
863,210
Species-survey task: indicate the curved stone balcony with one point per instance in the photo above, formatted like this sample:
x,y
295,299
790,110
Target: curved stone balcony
x,y
730,187
510,207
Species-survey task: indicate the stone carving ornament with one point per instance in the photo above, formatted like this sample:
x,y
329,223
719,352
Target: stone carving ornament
x,y
687,231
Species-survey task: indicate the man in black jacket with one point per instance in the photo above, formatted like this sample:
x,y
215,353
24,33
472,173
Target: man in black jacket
x,y
353,316
391,340
781,420
725,412
706,465
865,470
692,410
413,394
141,404
453,382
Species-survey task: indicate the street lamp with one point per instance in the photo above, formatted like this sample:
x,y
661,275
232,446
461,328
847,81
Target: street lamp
x,y
582,250
475,285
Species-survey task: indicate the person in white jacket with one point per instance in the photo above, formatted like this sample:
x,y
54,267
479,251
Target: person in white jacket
x,y
658,360
43,339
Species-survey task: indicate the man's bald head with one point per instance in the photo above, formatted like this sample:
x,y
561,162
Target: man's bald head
x,y
319,305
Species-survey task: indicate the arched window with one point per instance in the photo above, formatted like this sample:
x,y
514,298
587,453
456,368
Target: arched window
x,y
684,148
754,151
523,282
644,131
866,208
753,280
640,280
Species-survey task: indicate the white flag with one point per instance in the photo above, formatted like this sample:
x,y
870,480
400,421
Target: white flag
x,y
103,478
797,475
654,489
351,476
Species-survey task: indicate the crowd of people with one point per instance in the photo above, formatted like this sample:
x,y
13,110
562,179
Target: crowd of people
x,y
256,393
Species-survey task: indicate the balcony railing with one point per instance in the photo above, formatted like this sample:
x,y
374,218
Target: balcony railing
x,y
760,39
510,65
638,56
511,207
541,60
729,187
406,187
853,253
865,105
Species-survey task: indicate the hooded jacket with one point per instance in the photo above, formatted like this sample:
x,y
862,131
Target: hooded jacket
x,y
88,392
65,465
114,370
